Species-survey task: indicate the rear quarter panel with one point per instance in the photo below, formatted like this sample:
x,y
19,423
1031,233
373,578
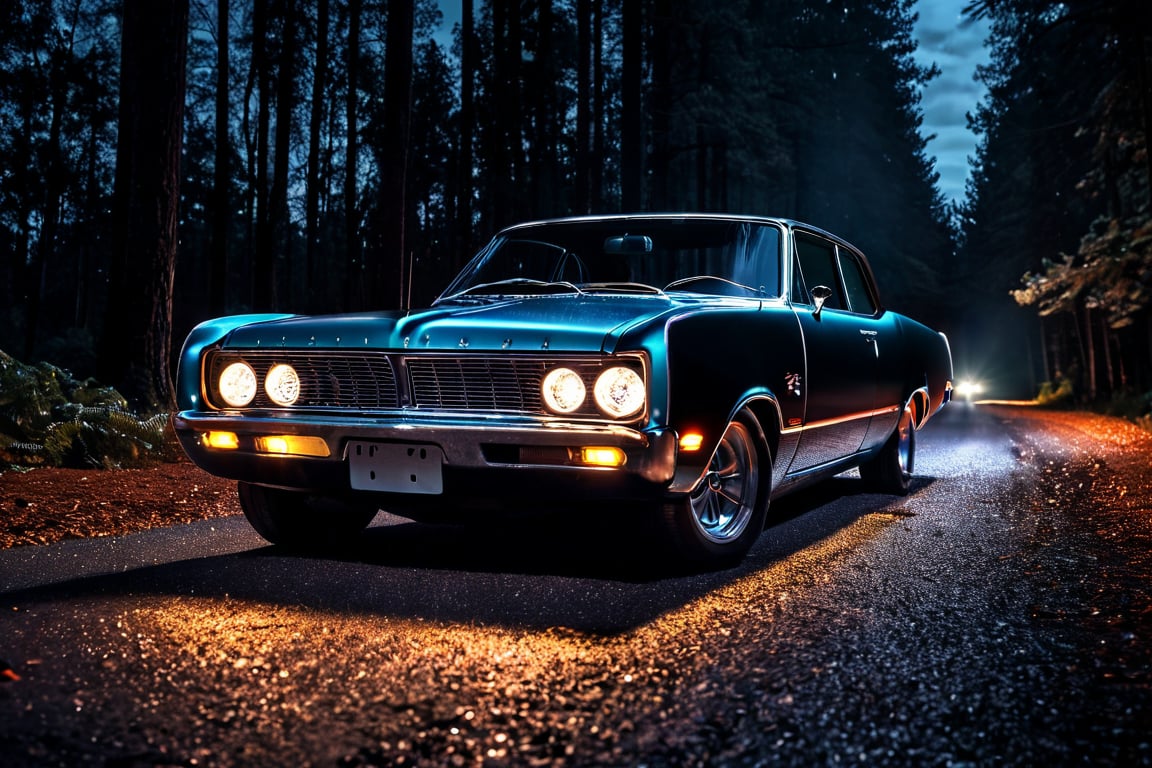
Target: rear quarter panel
x,y
928,361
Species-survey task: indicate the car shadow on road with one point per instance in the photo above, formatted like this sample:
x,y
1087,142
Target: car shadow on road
x,y
608,546
527,575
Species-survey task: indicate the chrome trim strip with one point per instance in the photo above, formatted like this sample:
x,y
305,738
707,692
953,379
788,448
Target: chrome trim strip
x,y
841,419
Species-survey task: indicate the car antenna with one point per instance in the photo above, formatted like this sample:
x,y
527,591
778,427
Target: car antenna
x,y
408,291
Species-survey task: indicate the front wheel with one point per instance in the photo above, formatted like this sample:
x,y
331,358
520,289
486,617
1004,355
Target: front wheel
x,y
719,520
302,520
890,471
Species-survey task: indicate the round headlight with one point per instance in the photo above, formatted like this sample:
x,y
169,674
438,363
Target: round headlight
x,y
563,390
282,384
238,385
619,392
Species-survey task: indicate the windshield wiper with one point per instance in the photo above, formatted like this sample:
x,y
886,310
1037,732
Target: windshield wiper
x,y
701,278
532,286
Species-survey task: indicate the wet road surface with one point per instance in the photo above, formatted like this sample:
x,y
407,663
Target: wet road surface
x,y
998,615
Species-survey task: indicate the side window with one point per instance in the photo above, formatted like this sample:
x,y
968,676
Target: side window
x,y
756,259
818,263
856,285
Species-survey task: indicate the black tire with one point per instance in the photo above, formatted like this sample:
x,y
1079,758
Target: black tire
x,y
716,523
890,470
302,520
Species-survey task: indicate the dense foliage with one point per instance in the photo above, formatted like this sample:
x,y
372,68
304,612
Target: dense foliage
x,y
1058,215
47,417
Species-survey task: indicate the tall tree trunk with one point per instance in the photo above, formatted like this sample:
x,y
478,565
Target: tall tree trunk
x,y
1045,365
354,279
464,188
390,277
514,99
544,159
1089,339
660,158
59,59
581,201
278,195
84,270
221,183
24,255
315,123
596,176
1106,338
701,168
146,201
263,263
250,158
506,138
631,94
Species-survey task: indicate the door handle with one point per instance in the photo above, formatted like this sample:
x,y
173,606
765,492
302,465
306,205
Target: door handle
x,y
870,338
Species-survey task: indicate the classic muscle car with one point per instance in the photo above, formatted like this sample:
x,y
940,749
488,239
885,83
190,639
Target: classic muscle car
x,y
689,368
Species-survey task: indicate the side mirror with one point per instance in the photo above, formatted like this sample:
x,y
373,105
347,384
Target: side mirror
x,y
820,294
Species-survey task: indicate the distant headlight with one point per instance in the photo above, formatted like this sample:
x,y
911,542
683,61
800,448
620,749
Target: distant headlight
x,y
969,388
282,384
563,390
619,392
238,385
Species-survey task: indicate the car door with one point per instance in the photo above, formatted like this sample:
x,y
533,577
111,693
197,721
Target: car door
x,y
840,353
881,332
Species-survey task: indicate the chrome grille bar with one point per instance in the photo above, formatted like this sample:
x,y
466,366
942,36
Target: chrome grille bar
x,y
490,384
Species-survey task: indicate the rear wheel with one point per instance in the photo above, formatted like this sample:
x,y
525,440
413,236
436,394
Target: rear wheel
x,y
302,520
716,523
890,471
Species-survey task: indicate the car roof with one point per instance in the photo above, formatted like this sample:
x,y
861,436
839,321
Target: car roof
x,y
681,216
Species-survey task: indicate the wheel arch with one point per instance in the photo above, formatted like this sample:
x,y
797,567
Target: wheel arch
x,y
766,410
920,402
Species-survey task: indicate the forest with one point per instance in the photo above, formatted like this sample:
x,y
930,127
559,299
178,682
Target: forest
x,y
167,161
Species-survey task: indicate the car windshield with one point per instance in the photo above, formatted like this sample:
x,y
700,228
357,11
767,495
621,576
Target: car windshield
x,y
642,256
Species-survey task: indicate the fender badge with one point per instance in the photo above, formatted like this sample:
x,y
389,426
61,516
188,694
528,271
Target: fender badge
x,y
792,383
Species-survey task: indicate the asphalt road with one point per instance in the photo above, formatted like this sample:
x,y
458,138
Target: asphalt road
x,y
998,615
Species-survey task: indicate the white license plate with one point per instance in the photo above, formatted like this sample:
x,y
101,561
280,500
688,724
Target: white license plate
x,y
396,467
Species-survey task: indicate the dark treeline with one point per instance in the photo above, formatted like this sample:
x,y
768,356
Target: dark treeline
x,y
1058,210
338,155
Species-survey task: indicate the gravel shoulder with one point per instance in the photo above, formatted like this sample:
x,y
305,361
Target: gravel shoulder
x,y
47,505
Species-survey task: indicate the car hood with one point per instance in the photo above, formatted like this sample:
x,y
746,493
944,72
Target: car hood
x,y
586,323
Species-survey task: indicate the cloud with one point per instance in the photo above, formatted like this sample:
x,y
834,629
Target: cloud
x,y
955,44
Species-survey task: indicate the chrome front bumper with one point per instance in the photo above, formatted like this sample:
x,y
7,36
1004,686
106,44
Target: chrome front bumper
x,y
478,452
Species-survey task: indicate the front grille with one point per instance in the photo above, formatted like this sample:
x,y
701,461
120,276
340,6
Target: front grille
x,y
487,384
353,380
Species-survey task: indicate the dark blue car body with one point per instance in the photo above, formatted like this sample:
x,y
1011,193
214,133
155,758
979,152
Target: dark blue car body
x,y
691,367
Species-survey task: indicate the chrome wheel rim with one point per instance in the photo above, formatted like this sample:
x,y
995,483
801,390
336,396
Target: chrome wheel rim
x,y
725,498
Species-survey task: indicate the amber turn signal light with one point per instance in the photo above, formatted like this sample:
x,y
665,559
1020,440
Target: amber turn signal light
x,y
224,441
691,441
293,445
602,457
